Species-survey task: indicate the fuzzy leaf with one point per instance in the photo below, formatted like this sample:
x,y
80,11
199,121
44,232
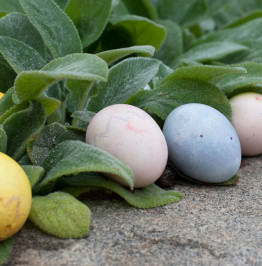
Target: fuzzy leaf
x,y
175,92
183,12
34,173
18,26
162,72
39,147
236,82
60,215
124,79
84,116
204,72
211,51
19,55
73,157
62,3
172,46
5,249
55,27
142,31
112,56
90,18
6,102
3,140
147,197
29,84
22,126
7,75
10,6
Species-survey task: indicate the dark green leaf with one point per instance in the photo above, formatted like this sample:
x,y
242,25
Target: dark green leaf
x,y
3,140
61,215
183,12
5,249
175,92
90,18
62,3
147,197
34,173
22,126
172,46
39,147
29,84
142,31
7,75
112,56
124,79
18,26
73,157
19,55
55,27
6,102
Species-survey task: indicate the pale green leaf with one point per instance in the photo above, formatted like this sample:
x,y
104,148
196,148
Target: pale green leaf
x,y
84,116
22,126
5,249
90,18
147,197
3,139
10,6
112,56
19,55
175,92
56,28
60,215
29,84
34,173
18,26
124,79
73,157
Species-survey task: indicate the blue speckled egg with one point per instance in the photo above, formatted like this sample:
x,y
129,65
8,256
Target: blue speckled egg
x,y
202,143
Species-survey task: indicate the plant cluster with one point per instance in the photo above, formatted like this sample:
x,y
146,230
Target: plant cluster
x,y
61,61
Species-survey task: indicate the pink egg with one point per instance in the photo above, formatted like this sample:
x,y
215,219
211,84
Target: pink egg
x,y
247,121
131,135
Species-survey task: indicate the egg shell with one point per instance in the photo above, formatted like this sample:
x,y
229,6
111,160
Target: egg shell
x,y
247,121
202,143
131,135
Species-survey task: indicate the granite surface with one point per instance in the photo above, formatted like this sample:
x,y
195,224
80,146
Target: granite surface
x,y
211,226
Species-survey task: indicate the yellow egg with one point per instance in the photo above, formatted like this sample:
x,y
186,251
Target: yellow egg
x,y
15,197
1,95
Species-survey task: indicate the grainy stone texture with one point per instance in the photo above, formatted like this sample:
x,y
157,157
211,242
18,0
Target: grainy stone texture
x,y
211,226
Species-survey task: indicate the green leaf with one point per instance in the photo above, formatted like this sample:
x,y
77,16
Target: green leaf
x,y
111,56
5,249
84,116
57,30
72,133
183,12
39,147
249,30
10,6
6,102
142,8
7,75
204,72
90,18
124,79
62,3
3,140
73,157
19,55
61,215
210,51
147,197
18,26
162,72
142,31
175,92
34,173
172,46
22,126
29,84
236,82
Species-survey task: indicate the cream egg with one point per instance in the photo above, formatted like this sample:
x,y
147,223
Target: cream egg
x,y
131,135
247,121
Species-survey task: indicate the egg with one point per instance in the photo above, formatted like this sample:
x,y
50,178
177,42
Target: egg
x,y
15,197
247,121
202,143
131,135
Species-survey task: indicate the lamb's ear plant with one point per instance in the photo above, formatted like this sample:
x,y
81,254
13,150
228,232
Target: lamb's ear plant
x,y
61,61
